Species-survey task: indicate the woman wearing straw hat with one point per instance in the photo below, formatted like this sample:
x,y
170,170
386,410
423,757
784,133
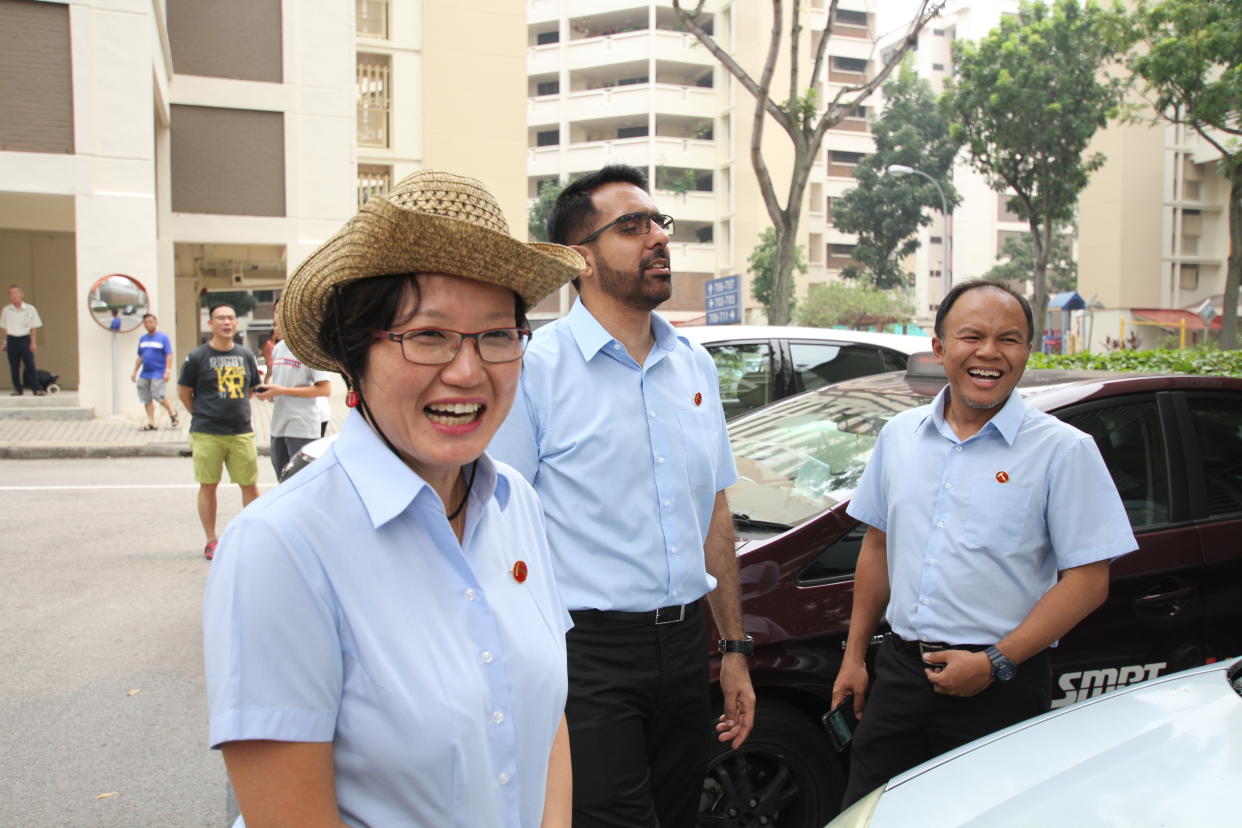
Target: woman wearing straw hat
x,y
383,636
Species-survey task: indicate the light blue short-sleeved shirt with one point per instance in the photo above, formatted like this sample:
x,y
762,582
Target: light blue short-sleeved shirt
x,y
626,458
978,528
341,608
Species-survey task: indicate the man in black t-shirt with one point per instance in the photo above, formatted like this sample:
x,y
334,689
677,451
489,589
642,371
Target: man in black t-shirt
x,y
215,386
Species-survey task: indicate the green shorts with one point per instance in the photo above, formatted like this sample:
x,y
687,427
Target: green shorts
x,y
214,451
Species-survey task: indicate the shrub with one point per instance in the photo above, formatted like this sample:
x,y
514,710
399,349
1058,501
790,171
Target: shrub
x,y
1155,361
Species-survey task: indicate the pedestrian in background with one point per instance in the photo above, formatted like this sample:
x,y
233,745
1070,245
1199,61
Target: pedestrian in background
x,y
383,635
20,321
295,389
991,528
619,425
152,369
216,381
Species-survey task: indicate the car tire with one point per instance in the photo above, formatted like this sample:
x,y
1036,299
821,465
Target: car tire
x,y
786,774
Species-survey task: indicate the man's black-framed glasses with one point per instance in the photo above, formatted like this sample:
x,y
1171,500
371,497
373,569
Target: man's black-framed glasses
x,y
635,224
439,346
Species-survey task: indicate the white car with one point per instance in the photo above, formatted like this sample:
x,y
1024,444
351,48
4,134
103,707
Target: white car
x,y
758,364
1165,752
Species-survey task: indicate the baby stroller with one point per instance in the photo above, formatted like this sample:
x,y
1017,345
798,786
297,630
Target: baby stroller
x,y
47,381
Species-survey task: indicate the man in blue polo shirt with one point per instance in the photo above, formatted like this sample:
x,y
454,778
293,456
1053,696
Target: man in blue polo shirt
x,y
619,427
152,369
991,528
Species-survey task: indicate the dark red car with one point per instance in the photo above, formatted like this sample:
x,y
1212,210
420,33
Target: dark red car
x,y
1174,447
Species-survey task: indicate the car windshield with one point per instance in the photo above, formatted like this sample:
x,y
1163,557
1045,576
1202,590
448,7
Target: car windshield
x,y
803,455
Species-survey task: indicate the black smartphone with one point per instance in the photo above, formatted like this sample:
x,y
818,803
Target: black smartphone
x,y
840,722
259,389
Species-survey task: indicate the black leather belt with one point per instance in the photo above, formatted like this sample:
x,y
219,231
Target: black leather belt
x,y
674,614
918,648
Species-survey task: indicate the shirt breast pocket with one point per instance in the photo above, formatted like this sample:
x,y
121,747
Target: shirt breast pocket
x,y
701,443
996,515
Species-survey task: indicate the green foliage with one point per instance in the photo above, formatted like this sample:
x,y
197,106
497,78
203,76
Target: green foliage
x,y
1027,99
540,207
886,210
1188,54
761,262
852,305
667,178
243,301
802,109
1157,361
1019,264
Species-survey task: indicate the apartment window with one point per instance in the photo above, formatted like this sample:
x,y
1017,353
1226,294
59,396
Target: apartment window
x,y
372,18
815,243
552,87
937,67
848,64
544,38
374,82
935,240
938,32
857,112
817,196
851,18
1191,190
632,131
704,235
373,180
842,250
239,39
1188,277
632,81
844,158
548,138
830,201
36,78
210,176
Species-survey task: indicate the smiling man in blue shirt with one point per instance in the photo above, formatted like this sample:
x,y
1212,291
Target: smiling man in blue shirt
x,y
619,427
975,505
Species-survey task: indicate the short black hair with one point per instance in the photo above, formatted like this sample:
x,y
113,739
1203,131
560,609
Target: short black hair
x,y
145,315
573,209
974,284
211,309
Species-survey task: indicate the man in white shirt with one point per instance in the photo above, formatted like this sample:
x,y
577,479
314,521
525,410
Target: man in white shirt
x,y
19,321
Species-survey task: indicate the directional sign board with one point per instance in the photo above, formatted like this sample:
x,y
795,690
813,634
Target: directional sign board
x,y
723,300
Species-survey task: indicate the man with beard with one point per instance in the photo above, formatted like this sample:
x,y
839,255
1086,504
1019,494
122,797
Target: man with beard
x,y
991,528
619,427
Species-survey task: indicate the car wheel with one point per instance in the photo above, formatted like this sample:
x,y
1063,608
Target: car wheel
x,y
785,775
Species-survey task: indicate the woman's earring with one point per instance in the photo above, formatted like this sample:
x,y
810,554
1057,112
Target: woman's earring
x,y
351,398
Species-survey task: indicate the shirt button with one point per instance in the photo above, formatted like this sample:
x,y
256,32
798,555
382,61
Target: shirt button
x,y
948,485
666,502
957,448
926,602
677,592
659,459
498,717
673,549
487,656
471,594
651,412
503,778
940,524
931,561
616,346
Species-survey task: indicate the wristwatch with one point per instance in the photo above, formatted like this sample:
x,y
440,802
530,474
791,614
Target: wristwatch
x,y
730,645
1002,668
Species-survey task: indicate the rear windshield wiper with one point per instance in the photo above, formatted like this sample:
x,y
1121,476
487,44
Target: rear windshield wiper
x,y
749,522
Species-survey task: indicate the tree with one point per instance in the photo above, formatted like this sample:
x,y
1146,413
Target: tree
x,y
540,206
1026,100
762,261
1189,56
1019,256
853,305
802,116
886,210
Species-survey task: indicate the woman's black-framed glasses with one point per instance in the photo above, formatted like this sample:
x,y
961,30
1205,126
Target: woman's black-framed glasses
x,y
439,346
635,224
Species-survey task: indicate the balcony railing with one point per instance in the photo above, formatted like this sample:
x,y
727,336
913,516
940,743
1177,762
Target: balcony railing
x,y
374,100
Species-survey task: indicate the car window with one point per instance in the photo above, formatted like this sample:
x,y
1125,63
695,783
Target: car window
x,y
805,454
818,363
894,360
745,373
1218,426
1132,444
835,562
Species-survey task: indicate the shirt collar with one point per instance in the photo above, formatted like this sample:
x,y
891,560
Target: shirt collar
x,y
592,337
1006,421
386,485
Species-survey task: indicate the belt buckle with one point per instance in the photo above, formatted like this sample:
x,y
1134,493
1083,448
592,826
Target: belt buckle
x,y
681,616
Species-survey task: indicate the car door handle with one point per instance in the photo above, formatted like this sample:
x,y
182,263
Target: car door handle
x,y
1166,598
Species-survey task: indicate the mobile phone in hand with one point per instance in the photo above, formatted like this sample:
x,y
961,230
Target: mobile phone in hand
x,y
261,389
840,722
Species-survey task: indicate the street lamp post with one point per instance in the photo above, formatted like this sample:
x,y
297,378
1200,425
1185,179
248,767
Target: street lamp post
x,y
902,169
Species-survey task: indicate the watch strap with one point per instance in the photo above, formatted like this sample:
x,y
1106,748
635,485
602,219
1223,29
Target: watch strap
x,y
745,646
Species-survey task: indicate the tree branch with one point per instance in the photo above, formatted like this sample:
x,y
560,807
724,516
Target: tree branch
x,y
795,30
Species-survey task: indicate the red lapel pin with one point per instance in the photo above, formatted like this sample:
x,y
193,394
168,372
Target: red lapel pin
x,y
518,571
698,398
1002,477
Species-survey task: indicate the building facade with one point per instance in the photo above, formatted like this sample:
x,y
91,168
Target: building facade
x,y
209,147
620,81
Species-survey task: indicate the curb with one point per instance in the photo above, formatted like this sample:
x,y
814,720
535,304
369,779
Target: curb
x,y
27,451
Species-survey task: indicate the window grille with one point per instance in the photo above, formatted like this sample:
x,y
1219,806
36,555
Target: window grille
x,y
374,99
373,180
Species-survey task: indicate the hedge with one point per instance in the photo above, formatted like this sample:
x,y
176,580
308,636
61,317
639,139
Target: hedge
x,y
1158,361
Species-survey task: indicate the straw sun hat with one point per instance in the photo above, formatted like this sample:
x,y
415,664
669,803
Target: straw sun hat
x,y
430,222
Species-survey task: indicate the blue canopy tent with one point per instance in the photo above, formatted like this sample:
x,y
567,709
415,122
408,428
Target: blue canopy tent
x,y
1058,320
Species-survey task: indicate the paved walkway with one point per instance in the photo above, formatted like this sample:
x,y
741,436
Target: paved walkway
x,y
118,436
